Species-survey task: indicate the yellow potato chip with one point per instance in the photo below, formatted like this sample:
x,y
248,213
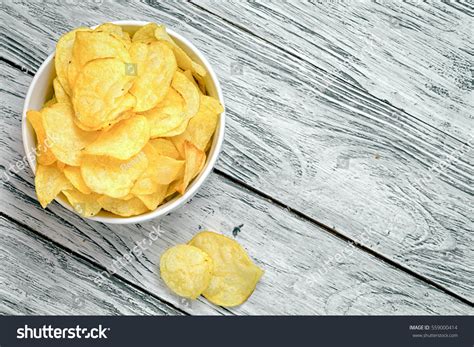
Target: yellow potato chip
x,y
123,140
84,204
44,156
110,176
191,97
182,58
61,166
126,39
190,77
73,174
172,188
188,91
167,115
59,92
198,81
186,270
161,170
116,31
195,160
49,182
164,146
155,67
168,169
124,208
144,186
92,45
178,130
63,57
235,276
110,28
146,183
127,197
50,102
146,33
154,199
67,140
101,93
202,126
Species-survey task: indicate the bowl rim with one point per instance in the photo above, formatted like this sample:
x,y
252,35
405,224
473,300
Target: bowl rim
x,y
192,189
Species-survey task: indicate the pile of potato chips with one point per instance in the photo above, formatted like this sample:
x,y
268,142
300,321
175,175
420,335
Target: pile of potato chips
x,y
129,124
212,265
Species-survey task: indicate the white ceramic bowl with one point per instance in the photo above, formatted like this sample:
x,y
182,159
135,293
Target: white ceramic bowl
x,y
41,89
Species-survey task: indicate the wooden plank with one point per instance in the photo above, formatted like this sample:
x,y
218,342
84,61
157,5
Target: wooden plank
x,y
39,278
415,55
277,143
307,269
337,154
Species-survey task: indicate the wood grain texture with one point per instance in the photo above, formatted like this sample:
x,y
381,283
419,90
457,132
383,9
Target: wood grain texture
x,y
289,136
307,270
39,278
415,55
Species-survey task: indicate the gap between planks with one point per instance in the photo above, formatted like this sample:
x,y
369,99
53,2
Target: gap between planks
x,y
342,237
296,56
92,263
270,199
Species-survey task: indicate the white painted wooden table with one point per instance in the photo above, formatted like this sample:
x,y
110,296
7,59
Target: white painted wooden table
x,y
348,162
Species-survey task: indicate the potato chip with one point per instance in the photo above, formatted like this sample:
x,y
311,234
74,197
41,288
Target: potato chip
x,y
110,176
195,160
60,165
154,199
101,93
168,169
182,58
186,270
110,28
60,93
167,115
92,45
146,183
124,208
50,102
146,33
73,174
127,197
63,57
155,67
190,94
188,91
161,170
164,146
172,188
235,276
49,182
84,204
190,77
198,81
202,126
67,140
116,31
44,156
123,140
